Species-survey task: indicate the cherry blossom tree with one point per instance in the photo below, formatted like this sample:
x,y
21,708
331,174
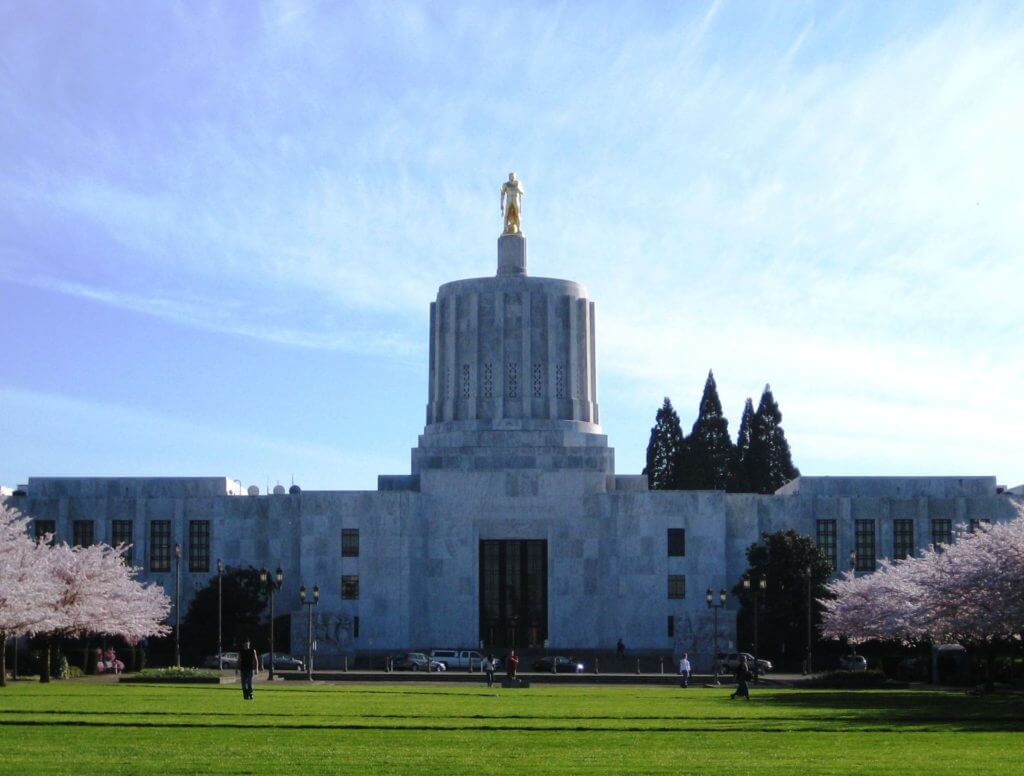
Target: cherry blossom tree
x,y
100,595
970,592
28,592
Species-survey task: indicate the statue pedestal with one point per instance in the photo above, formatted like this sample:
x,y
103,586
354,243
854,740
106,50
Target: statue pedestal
x,y
512,254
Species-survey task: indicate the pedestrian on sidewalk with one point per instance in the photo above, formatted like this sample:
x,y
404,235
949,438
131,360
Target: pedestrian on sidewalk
x,y
620,649
488,668
248,664
684,670
512,665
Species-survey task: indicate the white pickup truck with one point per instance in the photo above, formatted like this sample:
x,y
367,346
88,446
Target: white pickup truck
x,y
461,658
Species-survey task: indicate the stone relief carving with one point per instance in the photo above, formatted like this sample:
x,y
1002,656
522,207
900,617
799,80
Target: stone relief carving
x,y
332,631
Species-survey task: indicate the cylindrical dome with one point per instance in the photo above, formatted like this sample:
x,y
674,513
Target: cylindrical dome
x,y
512,352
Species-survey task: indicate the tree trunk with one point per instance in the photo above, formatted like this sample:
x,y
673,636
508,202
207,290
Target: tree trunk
x,y
990,680
3,659
44,672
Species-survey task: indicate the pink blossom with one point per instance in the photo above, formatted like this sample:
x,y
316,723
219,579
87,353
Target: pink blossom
x,y
970,591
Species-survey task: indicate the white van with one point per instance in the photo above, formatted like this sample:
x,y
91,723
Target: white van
x,y
459,658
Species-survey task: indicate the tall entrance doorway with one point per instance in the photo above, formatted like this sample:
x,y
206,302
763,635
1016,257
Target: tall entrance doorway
x,y
513,592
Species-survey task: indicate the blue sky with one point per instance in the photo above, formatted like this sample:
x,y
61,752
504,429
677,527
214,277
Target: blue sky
x,y
221,225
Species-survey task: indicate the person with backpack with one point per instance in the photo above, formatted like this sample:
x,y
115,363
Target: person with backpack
x,y
743,676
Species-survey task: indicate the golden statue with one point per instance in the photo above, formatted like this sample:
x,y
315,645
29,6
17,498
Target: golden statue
x,y
512,204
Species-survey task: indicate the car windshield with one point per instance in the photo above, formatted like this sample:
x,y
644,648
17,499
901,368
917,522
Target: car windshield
x,y
417,656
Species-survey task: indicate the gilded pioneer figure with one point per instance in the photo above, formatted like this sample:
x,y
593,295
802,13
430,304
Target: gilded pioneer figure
x,y
512,204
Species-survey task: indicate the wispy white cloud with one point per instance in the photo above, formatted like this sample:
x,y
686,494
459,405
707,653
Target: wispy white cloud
x,y
823,196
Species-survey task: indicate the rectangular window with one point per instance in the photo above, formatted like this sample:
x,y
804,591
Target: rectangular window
x,y
82,533
121,533
160,545
865,544
350,542
677,586
671,626
355,627
350,586
979,523
902,539
44,527
827,542
942,531
199,545
676,542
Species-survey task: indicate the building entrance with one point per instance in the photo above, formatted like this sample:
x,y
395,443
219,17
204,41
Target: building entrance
x,y
513,592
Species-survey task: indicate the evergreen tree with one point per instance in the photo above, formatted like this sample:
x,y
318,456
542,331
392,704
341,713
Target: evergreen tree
x,y
770,464
708,454
663,449
243,605
782,560
739,479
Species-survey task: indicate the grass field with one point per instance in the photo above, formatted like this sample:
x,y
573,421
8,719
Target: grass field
x,y
90,727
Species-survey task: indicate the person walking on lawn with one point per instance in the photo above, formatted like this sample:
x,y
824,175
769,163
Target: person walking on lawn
x,y
684,670
488,668
248,664
743,676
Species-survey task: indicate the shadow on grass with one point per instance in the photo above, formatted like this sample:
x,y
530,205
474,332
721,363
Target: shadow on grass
x,y
933,709
474,728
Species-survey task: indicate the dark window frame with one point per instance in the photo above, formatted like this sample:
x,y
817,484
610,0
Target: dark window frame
x,y
942,531
83,533
43,527
864,545
350,587
159,546
902,539
122,532
826,537
676,540
199,546
676,586
350,542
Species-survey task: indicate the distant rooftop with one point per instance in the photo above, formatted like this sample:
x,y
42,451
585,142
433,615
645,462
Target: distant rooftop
x,y
889,487
132,487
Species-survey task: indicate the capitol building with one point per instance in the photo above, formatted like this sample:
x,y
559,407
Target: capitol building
x,y
513,527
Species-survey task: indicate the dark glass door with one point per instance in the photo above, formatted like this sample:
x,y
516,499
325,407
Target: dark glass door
x,y
513,592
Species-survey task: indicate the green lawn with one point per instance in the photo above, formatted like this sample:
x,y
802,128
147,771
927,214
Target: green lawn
x,y
90,727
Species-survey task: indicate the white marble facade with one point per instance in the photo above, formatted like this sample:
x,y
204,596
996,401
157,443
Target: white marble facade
x,y
512,449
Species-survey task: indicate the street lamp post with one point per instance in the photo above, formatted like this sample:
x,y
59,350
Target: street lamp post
x,y
309,625
760,587
177,605
810,667
709,597
220,614
272,584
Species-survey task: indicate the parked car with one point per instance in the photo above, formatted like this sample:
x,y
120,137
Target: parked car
x,y
416,661
461,658
731,661
230,660
558,664
853,662
282,662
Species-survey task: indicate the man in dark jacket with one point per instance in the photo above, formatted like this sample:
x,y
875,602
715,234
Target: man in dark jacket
x,y
248,664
